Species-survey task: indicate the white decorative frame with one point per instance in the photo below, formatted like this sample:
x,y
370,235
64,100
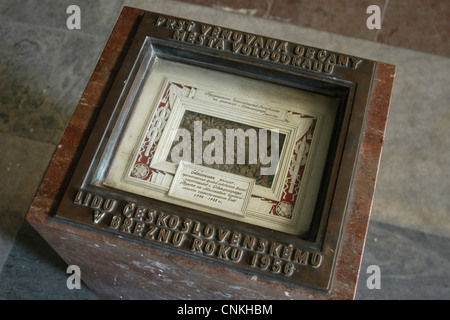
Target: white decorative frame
x,y
183,104
260,105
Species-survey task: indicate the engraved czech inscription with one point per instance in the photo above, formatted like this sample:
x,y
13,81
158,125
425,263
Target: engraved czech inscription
x,y
209,240
262,48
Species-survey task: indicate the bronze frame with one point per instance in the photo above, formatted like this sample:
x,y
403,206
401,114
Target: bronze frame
x,y
349,85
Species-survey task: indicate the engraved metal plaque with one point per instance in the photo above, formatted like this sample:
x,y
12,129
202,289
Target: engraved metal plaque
x,y
230,147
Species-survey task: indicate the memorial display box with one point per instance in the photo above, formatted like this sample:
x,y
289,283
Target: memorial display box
x,y
205,161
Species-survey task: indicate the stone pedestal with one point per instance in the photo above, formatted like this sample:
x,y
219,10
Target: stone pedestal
x,y
119,268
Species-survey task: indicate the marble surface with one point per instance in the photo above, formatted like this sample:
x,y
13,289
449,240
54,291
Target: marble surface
x,y
415,24
346,17
45,68
22,166
419,25
413,264
34,271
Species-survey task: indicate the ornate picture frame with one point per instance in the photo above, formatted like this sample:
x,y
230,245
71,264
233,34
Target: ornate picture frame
x,y
182,74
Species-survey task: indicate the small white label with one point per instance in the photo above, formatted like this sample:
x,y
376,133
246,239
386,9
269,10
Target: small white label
x,y
212,188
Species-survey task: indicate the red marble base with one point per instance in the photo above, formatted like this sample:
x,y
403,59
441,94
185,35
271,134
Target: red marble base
x,y
114,267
